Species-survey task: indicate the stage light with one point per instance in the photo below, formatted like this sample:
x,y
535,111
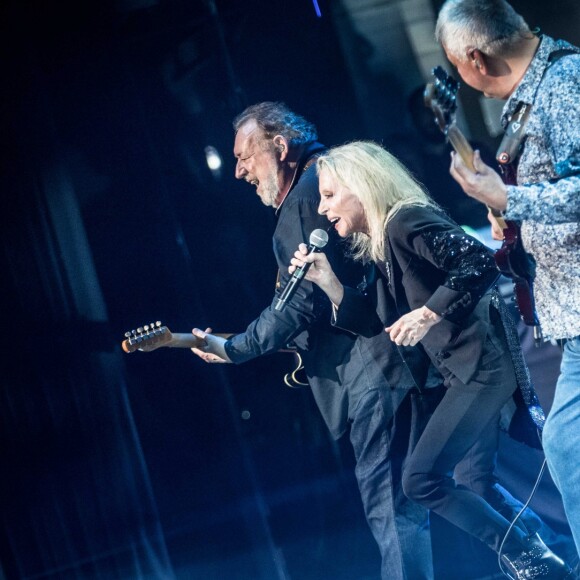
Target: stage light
x,y
213,158
317,8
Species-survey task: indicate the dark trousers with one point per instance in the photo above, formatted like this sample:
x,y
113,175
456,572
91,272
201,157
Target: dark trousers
x,y
384,430
461,438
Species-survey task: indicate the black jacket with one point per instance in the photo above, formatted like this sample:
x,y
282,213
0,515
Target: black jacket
x,y
432,262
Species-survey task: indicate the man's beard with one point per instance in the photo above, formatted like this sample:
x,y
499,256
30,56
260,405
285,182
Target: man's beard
x,y
270,190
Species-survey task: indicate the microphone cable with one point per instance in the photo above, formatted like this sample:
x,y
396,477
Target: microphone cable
x,y
513,523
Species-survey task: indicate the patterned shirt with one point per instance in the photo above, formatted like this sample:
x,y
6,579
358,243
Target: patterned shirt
x,y
547,197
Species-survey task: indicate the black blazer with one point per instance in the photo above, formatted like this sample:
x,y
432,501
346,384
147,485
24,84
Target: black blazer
x,y
432,262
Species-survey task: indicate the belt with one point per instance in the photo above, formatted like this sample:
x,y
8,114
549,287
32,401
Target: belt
x,y
562,341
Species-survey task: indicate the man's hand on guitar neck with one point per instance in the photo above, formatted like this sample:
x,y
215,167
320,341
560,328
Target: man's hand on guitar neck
x,y
214,349
485,184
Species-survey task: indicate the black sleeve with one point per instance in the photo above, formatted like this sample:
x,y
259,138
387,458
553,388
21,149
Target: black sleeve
x,y
466,265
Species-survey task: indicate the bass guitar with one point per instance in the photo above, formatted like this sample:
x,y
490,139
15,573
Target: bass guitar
x,y
511,259
150,337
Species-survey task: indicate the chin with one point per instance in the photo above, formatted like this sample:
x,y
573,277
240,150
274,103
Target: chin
x,y
264,199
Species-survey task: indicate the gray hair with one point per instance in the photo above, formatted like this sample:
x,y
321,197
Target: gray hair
x,y
491,26
382,184
277,119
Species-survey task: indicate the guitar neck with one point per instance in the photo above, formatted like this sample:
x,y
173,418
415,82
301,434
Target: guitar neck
x,y
462,147
148,339
188,340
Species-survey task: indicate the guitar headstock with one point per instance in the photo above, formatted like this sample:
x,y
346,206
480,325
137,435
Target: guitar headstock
x,y
146,338
441,97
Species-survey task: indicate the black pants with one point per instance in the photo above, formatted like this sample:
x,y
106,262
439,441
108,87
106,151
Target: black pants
x,y
460,437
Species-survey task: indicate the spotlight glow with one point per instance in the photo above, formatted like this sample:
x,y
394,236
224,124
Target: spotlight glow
x,y
213,158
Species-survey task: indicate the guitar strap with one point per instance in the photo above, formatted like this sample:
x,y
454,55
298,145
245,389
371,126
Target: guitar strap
x,y
291,379
311,161
510,146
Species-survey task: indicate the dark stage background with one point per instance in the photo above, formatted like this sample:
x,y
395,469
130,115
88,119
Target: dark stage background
x,y
154,466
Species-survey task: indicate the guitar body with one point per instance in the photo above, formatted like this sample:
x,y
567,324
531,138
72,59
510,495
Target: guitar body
x,y
511,259
515,263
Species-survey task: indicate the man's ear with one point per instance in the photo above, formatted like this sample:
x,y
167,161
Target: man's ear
x,y
281,146
478,59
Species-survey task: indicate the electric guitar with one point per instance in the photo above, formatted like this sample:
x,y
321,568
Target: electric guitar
x,y
150,337
511,259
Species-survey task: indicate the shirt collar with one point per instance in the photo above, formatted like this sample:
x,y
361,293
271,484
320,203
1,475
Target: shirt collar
x,y
310,150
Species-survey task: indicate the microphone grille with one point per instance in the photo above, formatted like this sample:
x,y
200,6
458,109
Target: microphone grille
x,y
318,238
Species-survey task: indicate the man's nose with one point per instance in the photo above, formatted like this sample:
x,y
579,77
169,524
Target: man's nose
x,y
240,170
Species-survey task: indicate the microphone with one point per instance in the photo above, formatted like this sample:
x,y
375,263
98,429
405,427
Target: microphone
x,y
318,239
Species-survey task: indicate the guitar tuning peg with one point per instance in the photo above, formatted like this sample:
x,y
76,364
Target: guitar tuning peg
x,y
146,328
158,324
128,334
140,330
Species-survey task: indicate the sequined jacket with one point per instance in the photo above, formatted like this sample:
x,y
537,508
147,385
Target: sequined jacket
x,y
547,194
432,262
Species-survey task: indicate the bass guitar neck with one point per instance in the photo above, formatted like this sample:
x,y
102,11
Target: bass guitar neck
x,y
462,147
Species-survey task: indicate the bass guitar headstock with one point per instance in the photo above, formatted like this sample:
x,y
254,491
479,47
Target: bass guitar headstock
x,y
441,97
147,338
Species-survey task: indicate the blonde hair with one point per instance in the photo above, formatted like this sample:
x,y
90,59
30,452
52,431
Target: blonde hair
x,y
383,186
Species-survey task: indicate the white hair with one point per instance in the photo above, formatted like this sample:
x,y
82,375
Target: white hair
x,y
491,26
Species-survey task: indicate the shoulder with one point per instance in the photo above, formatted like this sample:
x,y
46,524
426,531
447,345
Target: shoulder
x,y
564,70
559,93
299,211
307,185
304,197
563,67
306,179
414,218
